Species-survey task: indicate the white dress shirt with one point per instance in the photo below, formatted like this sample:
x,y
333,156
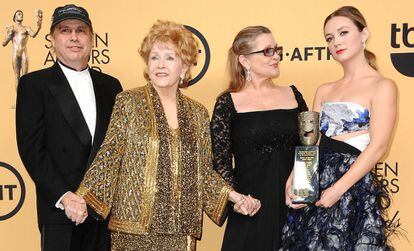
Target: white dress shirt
x,y
81,84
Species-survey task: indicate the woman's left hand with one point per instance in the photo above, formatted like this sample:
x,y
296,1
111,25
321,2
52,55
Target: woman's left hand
x,y
246,205
329,197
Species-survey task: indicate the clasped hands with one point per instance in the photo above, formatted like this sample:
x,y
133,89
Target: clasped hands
x,y
75,207
244,204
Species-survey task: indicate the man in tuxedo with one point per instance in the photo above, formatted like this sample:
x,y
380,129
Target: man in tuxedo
x,y
62,114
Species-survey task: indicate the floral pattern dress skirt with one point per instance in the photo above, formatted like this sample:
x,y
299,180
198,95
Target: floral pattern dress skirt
x,y
356,222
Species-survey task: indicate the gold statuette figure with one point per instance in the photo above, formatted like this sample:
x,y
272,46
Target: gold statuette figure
x,y
19,34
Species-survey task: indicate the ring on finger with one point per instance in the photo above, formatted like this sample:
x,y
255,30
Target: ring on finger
x,y
236,207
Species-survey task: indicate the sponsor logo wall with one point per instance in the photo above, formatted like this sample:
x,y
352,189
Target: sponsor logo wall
x,y
120,27
12,191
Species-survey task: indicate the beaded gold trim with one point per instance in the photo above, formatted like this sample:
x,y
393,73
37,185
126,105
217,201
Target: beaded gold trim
x,y
93,201
150,170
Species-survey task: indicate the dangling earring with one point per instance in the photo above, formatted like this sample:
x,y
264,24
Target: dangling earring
x,y
363,45
181,81
248,76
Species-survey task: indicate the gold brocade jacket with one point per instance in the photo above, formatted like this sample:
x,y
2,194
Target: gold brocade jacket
x,y
151,177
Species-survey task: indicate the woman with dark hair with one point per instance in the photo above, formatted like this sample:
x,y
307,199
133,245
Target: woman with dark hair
x,y
255,123
357,117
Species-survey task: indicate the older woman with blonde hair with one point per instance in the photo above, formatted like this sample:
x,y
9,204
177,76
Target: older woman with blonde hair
x,y
153,173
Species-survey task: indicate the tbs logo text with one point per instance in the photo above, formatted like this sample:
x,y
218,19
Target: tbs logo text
x,y
400,38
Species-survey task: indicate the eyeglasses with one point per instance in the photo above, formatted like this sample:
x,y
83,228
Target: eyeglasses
x,y
269,52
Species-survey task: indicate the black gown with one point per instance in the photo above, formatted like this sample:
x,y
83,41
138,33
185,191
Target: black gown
x,y
262,144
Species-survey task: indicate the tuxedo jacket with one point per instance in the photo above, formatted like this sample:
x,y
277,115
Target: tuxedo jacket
x,y
53,138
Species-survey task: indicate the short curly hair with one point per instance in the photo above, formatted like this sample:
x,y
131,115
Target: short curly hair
x,y
185,44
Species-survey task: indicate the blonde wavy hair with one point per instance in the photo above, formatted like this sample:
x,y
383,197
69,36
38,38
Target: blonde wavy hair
x,y
185,44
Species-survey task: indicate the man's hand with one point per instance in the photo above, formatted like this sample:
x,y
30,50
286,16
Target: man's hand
x,y
75,207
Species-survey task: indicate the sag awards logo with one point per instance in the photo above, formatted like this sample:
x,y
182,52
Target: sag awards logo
x,y
297,54
203,57
403,61
307,53
12,191
100,52
387,173
101,56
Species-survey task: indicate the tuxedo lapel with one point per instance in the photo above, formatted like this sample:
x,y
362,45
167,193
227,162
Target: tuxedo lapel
x,y
66,100
100,112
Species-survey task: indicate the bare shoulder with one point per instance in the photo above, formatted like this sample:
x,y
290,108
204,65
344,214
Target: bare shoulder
x,y
286,90
387,83
325,88
384,86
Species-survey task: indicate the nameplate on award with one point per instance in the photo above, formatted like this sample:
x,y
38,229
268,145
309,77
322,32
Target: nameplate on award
x,y
305,175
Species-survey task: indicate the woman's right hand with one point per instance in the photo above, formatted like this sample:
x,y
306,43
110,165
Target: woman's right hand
x,y
289,196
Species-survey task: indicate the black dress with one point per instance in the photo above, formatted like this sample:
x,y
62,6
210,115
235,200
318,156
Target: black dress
x,y
262,144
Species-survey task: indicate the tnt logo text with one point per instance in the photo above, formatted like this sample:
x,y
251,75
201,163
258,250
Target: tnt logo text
x,y
12,191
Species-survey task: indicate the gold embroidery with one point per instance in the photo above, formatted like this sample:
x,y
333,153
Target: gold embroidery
x,y
191,243
94,202
222,203
148,196
151,242
176,173
142,171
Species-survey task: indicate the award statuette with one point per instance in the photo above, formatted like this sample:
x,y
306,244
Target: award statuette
x,y
305,171
19,34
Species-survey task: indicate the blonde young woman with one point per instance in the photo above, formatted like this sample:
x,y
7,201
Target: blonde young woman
x,y
358,115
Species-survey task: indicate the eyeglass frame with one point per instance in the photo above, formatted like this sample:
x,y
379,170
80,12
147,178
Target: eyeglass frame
x,y
276,48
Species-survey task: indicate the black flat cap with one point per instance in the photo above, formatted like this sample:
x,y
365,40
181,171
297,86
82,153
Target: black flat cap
x,y
70,11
